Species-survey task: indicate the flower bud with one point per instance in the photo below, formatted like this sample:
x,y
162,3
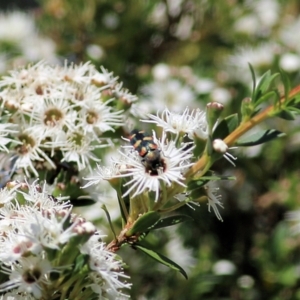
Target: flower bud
x,y
213,112
220,146
246,108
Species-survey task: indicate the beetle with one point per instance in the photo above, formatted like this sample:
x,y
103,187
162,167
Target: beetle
x,y
147,149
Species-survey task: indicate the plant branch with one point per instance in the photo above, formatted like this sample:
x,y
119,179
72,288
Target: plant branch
x,y
238,132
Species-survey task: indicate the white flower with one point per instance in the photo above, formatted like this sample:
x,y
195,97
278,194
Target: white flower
x,y
18,29
263,16
159,15
49,231
213,199
288,32
203,85
79,148
123,95
94,51
106,173
184,27
261,56
17,245
107,269
166,166
290,62
16,26
268,12
36,227
27,275
98,117
193,124
6,195
171,93
104,78
245,282
15,295
52,117
166,169
220,95
224,267
38,196
6,129
27,153
38,223
161,72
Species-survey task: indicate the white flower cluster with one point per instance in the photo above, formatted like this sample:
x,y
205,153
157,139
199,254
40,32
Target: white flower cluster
x,y
157,165
59,109
192,123
148,174
41,242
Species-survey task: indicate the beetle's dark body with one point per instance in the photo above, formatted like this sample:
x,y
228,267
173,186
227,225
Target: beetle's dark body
x,y
143,143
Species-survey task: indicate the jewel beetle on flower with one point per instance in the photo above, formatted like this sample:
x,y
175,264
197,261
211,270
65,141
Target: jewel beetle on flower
x,y
147,149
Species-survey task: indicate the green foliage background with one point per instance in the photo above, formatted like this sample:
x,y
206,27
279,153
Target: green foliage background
x,y
255,235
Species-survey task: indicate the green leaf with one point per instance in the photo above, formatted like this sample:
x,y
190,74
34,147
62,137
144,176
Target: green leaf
x,y
267,96
295,99
144,223
221,177
253,80
123,202
103,206
162,259
286,115
170,221
295,110
286,83
195,184
264,85
260,137
226,126
81,261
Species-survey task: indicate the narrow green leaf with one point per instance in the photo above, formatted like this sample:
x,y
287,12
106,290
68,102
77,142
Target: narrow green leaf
x,y
195,184
258,90
221,177
198,183
144,223
286,83
260,137
125,200
103,206
286,115
122,200
226,126
295,99
170,221
266,96
162,259
294,109
264,85
253,80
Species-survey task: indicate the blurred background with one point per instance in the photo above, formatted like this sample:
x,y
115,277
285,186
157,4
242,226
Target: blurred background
x,y
177,53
